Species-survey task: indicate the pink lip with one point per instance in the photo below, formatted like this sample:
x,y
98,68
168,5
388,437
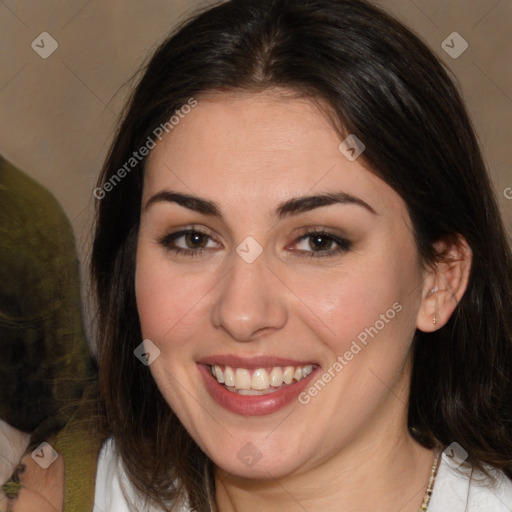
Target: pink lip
x,y
253,405
250,363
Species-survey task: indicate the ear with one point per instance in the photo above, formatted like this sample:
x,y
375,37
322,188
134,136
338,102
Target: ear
x,y
444,283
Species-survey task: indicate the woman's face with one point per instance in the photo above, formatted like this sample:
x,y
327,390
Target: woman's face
x,y
266,254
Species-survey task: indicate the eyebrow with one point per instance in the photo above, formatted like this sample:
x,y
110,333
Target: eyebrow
x,y
288,208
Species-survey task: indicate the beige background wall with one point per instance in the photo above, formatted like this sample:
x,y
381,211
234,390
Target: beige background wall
x,y
58,113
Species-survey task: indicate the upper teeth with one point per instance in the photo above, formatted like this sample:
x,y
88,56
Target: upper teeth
x,y
261,378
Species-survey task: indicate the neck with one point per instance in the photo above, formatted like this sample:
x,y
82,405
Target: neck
x,y
394,482
382,468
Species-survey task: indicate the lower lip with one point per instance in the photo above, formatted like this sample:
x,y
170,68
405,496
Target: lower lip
x,y
255,405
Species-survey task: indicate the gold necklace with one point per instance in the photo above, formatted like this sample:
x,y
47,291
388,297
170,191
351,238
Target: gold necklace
x,y
430,485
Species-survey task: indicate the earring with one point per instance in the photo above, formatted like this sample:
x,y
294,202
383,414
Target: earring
x,y
434,321
434,290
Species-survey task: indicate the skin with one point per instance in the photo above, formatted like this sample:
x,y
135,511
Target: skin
x,y
42,488
248,153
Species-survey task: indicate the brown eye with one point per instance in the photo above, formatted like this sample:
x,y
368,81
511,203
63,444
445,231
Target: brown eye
x,y
189,242
318,243
195,240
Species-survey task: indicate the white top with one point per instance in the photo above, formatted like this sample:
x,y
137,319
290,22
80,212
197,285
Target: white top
x,y
114,492
13,444
455,490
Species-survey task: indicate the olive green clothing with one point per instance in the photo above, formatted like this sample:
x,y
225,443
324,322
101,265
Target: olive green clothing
x,y
47,375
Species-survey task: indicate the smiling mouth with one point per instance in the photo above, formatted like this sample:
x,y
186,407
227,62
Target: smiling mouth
x,y
259,381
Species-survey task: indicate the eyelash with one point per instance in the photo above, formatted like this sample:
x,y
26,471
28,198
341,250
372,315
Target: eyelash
x,y
168,240
344,245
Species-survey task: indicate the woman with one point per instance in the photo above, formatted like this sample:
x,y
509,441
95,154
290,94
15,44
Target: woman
x,y
297,238
49,442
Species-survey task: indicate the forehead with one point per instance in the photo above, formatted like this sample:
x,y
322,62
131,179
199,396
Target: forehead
x,y
260,147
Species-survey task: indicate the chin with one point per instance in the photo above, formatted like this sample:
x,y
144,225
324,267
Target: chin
x,y
244,459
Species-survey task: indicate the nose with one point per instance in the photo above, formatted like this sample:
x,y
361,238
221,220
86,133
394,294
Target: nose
x,y
251,301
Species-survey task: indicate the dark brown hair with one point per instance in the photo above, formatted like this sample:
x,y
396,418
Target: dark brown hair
x,y
386,87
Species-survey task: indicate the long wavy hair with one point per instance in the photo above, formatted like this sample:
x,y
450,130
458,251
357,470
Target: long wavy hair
x,y
384,85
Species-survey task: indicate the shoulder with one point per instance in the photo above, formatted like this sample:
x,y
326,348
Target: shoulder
x,y
465,489
114,491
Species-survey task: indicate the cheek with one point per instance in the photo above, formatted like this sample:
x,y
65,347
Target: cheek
x,y
167,301
373,296
346,301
